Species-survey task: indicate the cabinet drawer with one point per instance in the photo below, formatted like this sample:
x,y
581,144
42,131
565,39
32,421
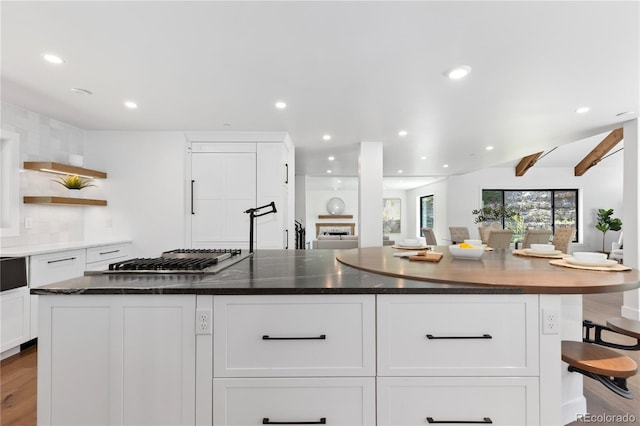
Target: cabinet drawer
x,y
52,267
317,335
112,251
462,335
504,401
336,401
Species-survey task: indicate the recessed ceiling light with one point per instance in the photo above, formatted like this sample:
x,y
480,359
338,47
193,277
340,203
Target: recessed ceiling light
x,y
489,148
326,137
400,171
81,91
54,59
445,165
331,158
402,133
458,72
281,105
582,110
329,171
130,104
423,158
339,181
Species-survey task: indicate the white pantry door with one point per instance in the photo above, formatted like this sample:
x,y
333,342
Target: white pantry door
x,y
223,186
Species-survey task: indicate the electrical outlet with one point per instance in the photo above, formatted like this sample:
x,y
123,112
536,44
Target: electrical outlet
x,y
203,321
550,322
28,223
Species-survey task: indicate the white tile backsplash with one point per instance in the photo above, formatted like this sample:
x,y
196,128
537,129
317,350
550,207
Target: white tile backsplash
x,y
45,139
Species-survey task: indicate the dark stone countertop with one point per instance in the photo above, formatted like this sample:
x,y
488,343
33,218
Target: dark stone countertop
x,y
266,272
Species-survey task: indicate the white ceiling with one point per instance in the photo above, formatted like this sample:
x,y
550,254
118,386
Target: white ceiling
x,y
360,71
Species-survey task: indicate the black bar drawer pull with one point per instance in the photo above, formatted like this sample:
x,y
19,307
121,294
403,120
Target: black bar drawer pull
x,y
484,336
485,420
61,260
320,337
109,252
266,421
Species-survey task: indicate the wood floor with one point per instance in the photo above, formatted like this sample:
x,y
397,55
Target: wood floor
x,y
18,379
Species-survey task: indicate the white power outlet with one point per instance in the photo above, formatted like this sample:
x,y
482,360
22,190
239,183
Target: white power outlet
x,y
203,321
28,223
550,322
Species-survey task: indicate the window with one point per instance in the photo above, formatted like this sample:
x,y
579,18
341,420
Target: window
x,y
537,209
426,212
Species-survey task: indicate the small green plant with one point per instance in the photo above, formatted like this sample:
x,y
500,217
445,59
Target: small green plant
x,y
494,213
73,182
607,223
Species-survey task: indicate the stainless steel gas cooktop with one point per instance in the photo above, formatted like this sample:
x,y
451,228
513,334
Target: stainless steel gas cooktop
x,y
181,261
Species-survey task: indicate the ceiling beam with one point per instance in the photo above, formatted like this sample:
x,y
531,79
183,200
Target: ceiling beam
x,y
596,154
527,162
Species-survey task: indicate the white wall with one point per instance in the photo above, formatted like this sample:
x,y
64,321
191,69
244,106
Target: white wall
x,y
440,227
600,187
145,189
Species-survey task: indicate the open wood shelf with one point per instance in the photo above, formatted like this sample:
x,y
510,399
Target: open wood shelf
x,y
64,201
65,169
335,216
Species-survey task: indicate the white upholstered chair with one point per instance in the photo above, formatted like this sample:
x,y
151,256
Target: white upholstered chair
x,y
483,231
429,237
536,236
459,234
616,250
562,237
499,238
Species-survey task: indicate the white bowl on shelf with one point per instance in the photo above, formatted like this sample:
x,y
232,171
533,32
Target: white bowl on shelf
x,y
543,248
590,257
466,253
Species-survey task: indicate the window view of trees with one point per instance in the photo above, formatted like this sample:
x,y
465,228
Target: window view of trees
x,y
426,212
537,209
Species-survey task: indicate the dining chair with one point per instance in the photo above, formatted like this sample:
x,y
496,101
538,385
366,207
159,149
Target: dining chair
x,y
562,237
429,236
536,236
483,231
499,238
459,234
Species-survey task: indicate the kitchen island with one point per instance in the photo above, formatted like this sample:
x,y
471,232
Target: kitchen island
x,y
299,336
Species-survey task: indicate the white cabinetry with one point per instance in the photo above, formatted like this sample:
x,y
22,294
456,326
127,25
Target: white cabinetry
x,y
223,186
226,179
477,355
99,258
14,318
49,268
272,167
116,360
345,401
505,401
261,342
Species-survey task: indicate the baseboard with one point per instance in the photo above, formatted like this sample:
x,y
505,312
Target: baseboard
x,y
629,312
573,409
9,352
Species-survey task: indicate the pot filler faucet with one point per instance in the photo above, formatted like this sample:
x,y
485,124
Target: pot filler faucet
x,y
253,213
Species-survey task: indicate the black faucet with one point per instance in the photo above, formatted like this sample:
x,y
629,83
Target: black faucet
x,y
253,214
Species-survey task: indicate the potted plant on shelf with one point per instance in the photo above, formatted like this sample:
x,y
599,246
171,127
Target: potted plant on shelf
x,y
607,223
74,183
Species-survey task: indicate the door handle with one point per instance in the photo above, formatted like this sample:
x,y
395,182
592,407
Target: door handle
x,y
320,337
484,336
192,182
266,421
485,420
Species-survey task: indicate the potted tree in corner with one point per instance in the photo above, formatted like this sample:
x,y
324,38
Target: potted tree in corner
x,y
607,223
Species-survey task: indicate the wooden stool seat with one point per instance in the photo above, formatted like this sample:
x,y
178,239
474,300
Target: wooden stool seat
x,y
627,326
598,360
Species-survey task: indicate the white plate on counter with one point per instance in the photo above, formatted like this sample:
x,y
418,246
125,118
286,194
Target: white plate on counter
x,y
549,252
605,263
